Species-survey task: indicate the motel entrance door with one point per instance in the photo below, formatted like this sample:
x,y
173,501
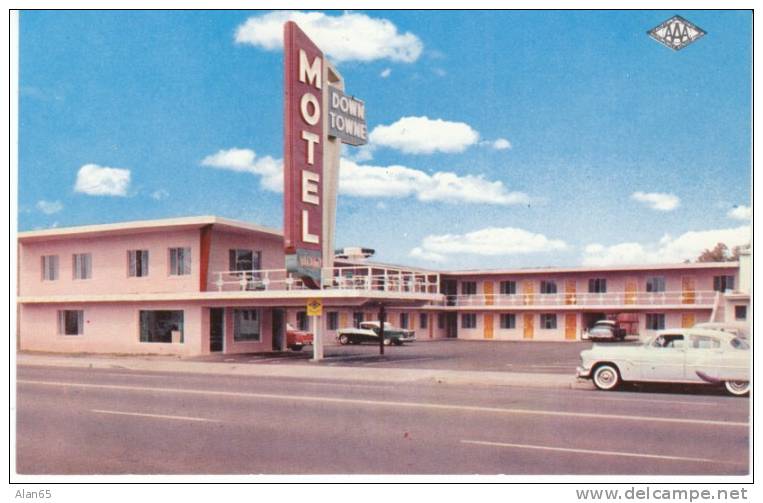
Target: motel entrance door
x,y
279,329
216,329
451,325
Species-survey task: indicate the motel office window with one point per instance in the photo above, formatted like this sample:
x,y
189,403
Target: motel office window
x,y
82,265
655,284
246,325
332,320
508,287
423,320
469,320
302,322
469,288
548,287
137,263
180,261
597,285
723,283
404,320
548,321
49,267
70,322
508,321
740,312
655,321
161,326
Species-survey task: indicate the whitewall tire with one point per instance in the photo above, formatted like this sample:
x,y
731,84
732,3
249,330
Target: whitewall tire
x,y
606,377
737,388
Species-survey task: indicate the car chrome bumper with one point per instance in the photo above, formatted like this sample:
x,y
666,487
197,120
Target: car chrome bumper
x,y
583,373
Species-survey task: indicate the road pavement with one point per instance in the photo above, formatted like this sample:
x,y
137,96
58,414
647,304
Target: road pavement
x,y
119,421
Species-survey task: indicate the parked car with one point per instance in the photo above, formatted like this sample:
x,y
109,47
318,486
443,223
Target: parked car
x,y
368,331
688,355
297,339
605,330
739,328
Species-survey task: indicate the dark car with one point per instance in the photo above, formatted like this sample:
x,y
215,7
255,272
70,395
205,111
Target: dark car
x,y
369,332
605,330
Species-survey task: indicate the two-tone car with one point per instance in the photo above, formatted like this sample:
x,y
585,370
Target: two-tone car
x,y
686,355
368,331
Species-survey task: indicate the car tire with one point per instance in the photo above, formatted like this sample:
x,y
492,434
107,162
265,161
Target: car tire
x,y
296,348
606,377
398,342
344,340
387,342
737,388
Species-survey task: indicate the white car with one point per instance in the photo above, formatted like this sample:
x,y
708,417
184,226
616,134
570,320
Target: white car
x,y
686,355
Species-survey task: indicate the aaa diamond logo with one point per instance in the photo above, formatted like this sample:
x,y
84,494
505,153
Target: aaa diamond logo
x,y
676,33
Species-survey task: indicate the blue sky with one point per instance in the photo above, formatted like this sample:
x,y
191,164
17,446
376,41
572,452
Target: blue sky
x,y
540,138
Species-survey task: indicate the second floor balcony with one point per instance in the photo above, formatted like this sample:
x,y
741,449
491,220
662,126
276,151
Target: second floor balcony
x,y
705,298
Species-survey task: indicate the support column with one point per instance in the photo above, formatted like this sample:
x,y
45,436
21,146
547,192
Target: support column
x,y
316,327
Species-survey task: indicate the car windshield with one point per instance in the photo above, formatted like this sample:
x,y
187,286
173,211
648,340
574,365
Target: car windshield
x,y
739,344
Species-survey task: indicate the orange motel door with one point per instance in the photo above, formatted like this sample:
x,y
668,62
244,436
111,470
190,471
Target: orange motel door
x,y
630,291
687,320
528,325
687,290
487,320
569,291
487,287
343,320
527,289
570,326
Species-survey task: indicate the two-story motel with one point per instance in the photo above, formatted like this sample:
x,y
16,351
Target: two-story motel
x,y
197,285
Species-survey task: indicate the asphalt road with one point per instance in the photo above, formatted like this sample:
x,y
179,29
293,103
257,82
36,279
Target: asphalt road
x,y
495,356
80,421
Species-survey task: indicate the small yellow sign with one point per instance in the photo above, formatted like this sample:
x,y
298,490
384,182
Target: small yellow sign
x,y
314,307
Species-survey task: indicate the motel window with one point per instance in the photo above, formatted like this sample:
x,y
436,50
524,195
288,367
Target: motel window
x,y
70,322
302,322
357,319
81,265
423,320
180,261
441,321
508,321
597,285
548,321
244,260
332,320
655,321
469,288
161,326
246,325
740,312
508,287
137,261
655,284
404,320
49,267
548,287
469,320
723,283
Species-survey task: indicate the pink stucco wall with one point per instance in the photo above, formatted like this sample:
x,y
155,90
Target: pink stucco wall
x,y
223,241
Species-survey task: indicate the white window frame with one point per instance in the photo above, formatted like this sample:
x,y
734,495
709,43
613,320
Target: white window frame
x,y
50,267
82,266
132,263
62,322
236,313
182,265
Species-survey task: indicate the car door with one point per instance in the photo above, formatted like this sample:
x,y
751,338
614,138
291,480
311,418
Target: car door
x,y
703,355
665,359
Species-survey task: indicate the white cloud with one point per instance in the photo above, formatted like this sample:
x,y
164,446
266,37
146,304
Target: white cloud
x,y
491,241
740,212
422,135
429,256
659,201
440,72
49,207
687,246
501,144
160,194
244,160
385,73
401,181
346,37
96,180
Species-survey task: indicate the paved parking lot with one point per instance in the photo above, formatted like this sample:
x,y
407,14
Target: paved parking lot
x,y
501,356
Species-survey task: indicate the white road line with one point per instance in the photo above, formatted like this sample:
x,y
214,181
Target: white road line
x,y
598,452
126,374
155,416
330,383
647,400
399,361
383,403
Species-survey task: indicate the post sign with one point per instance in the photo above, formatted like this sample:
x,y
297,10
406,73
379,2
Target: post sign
x,y
314,307
347,118
303,155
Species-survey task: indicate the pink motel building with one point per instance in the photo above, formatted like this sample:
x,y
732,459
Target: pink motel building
x,y
198,285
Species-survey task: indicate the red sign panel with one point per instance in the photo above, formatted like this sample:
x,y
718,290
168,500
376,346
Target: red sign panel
x,y
303,154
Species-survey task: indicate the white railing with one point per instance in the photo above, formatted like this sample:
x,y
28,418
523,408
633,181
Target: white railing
x,y
688,298
383,279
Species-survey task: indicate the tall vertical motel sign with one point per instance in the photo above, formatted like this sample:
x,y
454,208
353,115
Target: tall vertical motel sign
x,y
317,117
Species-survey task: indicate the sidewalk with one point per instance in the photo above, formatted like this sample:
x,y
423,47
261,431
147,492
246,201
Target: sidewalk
x,y
312,371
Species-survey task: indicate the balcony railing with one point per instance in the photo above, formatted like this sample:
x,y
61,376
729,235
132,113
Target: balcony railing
x,y
381,279
689,298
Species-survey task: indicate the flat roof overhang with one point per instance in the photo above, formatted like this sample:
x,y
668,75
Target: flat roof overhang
x,y
334,298
577,308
